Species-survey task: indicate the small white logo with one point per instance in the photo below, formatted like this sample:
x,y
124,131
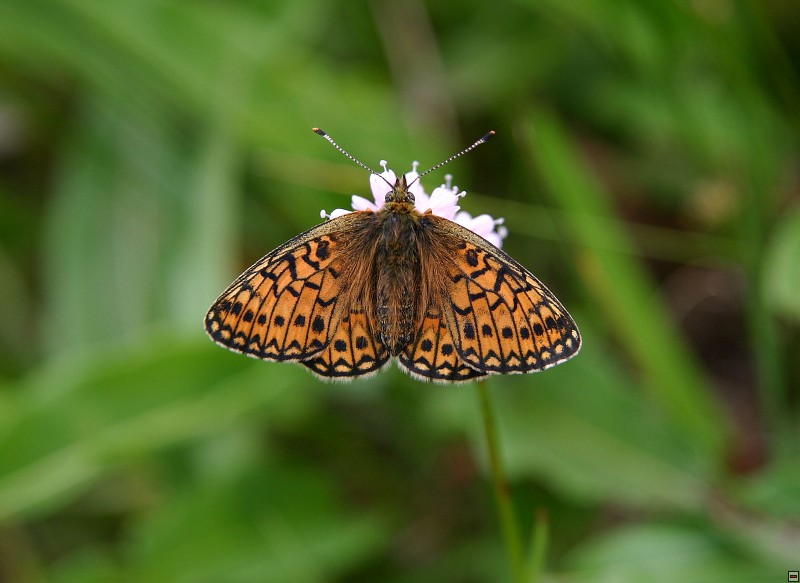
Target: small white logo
x,y
794,576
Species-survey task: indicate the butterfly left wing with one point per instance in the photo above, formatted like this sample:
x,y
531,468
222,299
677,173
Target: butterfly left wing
x,y
352,351
286,307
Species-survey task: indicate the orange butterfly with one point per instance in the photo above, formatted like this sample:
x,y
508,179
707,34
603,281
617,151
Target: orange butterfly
x,y
391,282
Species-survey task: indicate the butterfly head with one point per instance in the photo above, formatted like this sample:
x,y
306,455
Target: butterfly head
x,y
400,192
406,193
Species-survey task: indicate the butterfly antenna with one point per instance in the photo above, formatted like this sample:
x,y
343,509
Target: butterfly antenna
x,y
483,140
348,154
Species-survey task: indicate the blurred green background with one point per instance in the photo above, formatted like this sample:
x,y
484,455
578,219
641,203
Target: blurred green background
x,y
647,166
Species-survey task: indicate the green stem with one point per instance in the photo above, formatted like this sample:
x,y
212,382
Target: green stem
x,y
538,548
502,492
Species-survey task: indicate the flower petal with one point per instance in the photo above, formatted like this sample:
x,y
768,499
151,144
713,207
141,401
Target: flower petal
x,y
335,213
381,184
422,201
443,203
415,186
484,225
494,239
360,203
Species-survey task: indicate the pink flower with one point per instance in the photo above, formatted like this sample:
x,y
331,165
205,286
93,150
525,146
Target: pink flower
x,y
442,202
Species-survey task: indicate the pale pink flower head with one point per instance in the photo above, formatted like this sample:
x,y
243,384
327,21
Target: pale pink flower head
x,y
442,202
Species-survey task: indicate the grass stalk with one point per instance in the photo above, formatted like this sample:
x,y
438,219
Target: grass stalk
x,y
502,491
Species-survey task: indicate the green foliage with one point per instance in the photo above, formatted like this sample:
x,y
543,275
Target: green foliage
x,y
645,162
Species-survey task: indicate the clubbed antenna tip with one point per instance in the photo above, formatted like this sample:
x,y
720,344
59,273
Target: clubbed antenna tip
x,y
483,140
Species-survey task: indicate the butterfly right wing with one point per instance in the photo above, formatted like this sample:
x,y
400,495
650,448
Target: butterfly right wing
x,y
285,306
434,356
503,319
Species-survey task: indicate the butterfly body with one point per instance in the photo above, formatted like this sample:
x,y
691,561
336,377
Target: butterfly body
x,y
351,294
397,270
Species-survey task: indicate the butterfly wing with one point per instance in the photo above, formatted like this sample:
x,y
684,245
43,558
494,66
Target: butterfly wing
x,y
286,306
434,356
352,351
502,319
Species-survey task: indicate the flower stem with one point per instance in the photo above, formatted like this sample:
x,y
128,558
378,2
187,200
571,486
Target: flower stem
x,y
534,567
502,492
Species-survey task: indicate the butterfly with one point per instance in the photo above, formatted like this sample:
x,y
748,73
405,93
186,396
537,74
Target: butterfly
x,y
394,283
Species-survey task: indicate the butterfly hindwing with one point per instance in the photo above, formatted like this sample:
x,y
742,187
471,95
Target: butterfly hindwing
x,y
352,351
434,355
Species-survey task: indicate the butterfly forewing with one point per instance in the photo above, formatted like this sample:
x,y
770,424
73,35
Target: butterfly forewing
x,y
502,318
284,307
